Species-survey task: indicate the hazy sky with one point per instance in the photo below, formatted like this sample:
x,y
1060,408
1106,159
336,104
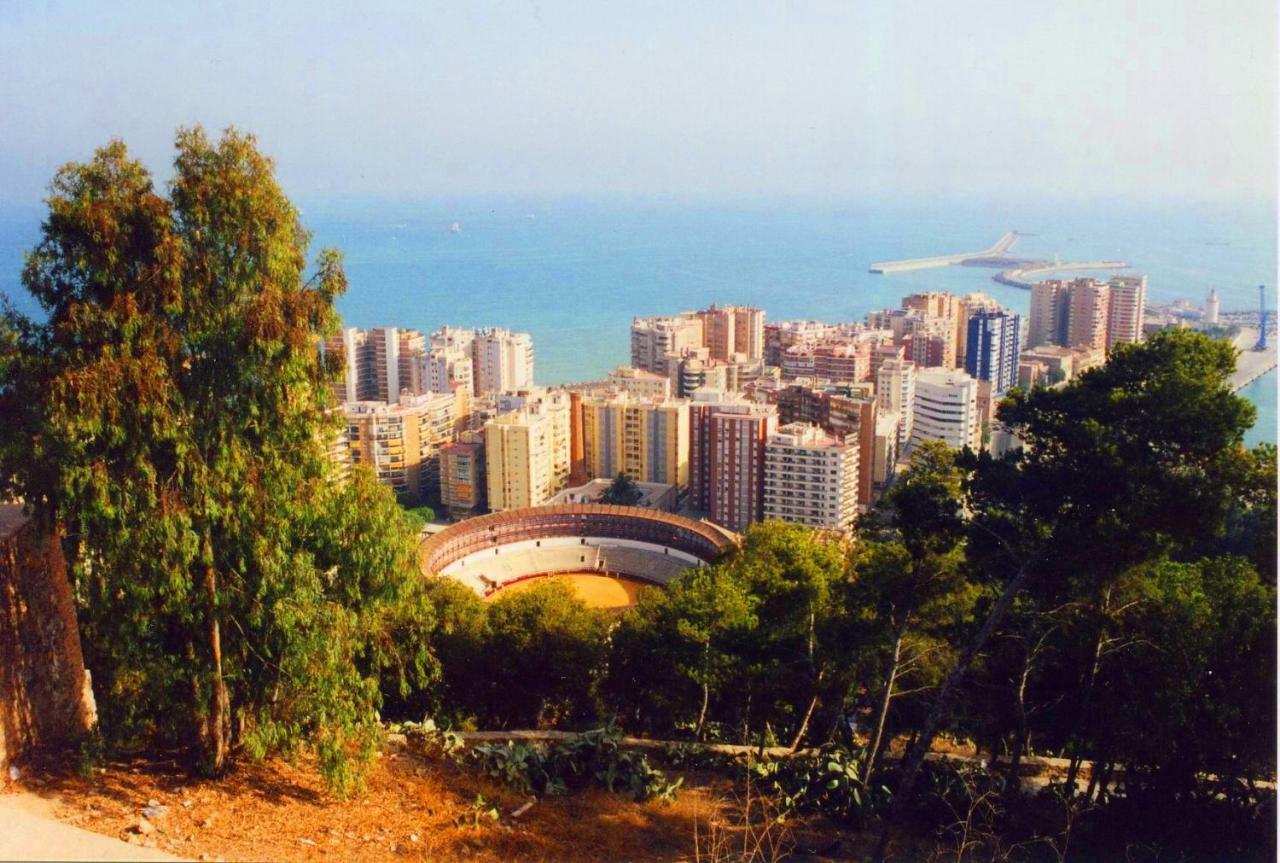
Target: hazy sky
x,y
1063,97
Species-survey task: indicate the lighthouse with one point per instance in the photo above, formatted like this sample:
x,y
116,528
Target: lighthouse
x,y
1211,307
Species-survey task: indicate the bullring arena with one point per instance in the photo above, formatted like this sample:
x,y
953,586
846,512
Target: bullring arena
x,y
608,552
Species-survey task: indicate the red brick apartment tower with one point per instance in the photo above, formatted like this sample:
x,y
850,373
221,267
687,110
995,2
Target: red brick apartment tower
x,y
736,437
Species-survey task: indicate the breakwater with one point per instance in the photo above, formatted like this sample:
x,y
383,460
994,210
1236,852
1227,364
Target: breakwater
x,y
1001,246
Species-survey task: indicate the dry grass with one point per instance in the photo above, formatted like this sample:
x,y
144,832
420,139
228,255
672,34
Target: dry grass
x,y
411,810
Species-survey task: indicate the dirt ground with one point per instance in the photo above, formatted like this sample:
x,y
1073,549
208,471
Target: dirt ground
x,y
411,810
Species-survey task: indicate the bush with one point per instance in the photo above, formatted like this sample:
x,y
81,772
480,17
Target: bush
x,y
592,758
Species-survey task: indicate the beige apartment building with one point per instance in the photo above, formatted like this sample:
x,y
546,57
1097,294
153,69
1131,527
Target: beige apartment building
x,y
653,340
896,394
401,442
811,477
733,330
1087,309
647,440
1125,309
527,450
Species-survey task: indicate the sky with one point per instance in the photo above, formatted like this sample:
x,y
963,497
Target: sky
x,y
1168,99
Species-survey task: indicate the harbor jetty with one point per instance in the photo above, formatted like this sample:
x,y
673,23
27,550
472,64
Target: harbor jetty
x,y
1027,275
1251,364
1002,245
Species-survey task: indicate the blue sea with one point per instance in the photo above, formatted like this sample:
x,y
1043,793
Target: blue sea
x,y
573,272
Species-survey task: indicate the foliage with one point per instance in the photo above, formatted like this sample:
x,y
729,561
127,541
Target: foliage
x,y
479,812
825,782
543,654
170,416
420,515
592,758
623,491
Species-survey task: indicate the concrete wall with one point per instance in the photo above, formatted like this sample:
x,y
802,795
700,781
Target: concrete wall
x,y
45,697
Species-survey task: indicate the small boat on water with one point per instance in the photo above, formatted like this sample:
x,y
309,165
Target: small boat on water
x,y
455,228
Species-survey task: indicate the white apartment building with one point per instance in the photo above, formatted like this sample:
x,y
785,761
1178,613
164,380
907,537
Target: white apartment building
x,y
811,477
502,360
946,409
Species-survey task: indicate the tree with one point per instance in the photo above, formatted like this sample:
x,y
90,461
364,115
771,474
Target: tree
x,y
797,581
1121,465
910,576
170,416
623,491
674,661
544,653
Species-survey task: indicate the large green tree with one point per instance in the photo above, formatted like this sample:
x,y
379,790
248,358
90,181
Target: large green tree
x,y
1129,462
170,415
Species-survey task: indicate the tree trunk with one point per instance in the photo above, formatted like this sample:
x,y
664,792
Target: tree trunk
x,y
1083,723
804,724
1022,732
942,707
219,719
883,714
706,689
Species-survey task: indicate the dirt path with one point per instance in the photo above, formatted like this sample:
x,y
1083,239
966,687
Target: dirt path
x,y
30,831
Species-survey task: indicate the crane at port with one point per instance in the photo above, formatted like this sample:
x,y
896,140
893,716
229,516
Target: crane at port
x,y
1262,319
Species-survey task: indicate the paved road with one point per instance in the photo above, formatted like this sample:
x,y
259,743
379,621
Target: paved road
x,y
28,831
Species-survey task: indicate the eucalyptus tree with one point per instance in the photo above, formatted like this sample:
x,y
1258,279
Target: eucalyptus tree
x,y
171,415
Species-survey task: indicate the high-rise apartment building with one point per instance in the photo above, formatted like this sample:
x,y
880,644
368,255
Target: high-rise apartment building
x,y
1090,300
949,309
379,364
519,459
841,410
946,409
401,442
502,360
1125,309
462,475
730,330
811,477
646,440
896,394
993,344
1049,312
1087,313
726,457
482,361
654,339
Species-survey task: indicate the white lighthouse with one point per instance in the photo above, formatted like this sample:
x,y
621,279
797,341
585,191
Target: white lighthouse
x,y
1211,307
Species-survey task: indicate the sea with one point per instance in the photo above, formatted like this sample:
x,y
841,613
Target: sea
x,y
574,271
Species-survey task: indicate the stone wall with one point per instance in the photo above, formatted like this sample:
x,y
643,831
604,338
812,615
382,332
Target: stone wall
x,y
45,696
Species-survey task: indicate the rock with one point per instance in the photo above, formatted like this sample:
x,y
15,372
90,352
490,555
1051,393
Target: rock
x,y
208,822
14,773
188,803
144,827
306,842
155,810
413,837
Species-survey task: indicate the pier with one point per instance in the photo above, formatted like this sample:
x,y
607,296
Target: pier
x,y
1251,364
1025,276
997,251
